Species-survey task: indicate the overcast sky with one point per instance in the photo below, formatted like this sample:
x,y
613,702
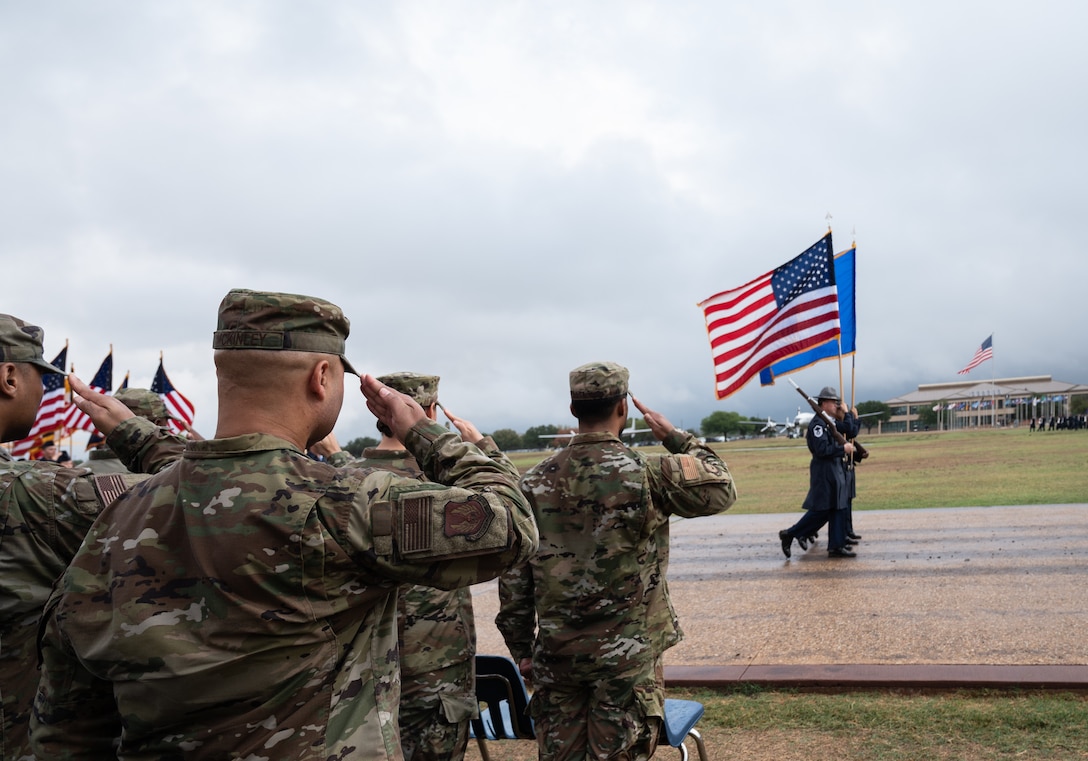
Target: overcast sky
x,y
497,192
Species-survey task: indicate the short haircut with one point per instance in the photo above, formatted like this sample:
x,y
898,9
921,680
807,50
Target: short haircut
x,y
594,411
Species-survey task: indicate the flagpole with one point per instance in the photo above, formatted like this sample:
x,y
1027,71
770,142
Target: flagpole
x,y
853,357
993,383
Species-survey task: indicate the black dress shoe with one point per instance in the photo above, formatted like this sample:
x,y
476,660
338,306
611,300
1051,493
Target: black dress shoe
x,y
855,537
787,540
802,542
844,552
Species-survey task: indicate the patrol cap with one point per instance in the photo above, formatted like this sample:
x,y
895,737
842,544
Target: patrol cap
x,y
281,322
21,342
143,403
829,393
598,380
422,388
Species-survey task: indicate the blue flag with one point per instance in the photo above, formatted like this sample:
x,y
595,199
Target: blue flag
x,y
844,278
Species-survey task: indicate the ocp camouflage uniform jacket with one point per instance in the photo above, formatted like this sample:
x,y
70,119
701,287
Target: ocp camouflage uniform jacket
x,y
242,604
45,511
595,593
436,626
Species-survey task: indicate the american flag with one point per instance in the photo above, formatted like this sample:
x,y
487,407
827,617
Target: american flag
x,y
176,404
102,382
983,353
51,411
786,311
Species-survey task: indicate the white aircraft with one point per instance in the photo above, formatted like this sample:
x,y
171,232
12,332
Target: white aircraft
x,y
793,428
567,433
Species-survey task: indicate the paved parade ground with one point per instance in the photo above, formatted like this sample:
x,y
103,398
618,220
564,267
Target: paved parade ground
x,y
972,596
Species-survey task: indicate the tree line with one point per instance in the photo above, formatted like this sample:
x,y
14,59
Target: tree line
x,y
719,425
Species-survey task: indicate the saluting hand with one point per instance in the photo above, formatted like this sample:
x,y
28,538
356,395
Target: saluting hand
x,y
398,411
326,447
104,411
469,432
659,424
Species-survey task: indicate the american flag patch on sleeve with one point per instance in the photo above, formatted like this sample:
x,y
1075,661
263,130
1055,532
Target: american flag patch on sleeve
x,y
415,525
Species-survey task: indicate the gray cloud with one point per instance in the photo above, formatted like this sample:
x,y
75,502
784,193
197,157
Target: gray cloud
x,y
499,192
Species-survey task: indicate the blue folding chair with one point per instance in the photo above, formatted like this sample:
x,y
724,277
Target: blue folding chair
x,y
503,701
681,717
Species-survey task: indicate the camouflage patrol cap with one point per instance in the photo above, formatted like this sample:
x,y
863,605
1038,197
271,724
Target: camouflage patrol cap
x,y
21,342
422,388
598,380
143,403
281,322
829,393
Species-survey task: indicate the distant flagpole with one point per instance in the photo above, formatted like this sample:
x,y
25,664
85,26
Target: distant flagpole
x,y
993,385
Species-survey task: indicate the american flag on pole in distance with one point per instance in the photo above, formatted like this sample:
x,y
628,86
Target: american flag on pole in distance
x,y
176,404
77,420
788,310
52,409
983,353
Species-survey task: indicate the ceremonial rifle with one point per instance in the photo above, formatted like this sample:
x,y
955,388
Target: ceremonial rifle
x,y
860,451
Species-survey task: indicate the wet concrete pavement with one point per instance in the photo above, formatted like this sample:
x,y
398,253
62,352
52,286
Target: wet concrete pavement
x,y
975,596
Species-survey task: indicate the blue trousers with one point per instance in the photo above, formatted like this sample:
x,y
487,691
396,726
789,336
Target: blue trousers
x,y
813,520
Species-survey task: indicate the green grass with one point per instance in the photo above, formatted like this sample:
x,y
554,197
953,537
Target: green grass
x,y
955,469
893,725
905,726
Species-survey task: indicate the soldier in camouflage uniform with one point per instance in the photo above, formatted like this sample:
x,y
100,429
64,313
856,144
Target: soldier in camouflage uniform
x,y
143,403
45,511
242,603
588,618
436,628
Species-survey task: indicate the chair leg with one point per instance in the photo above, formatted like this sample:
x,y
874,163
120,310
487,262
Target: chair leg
x,y
482,745
693,732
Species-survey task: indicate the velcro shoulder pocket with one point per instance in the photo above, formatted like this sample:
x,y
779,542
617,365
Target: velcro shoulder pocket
x,y
110,486
435,522
688,470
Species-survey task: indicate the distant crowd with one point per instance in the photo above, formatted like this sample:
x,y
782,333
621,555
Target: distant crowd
x,y
1059,423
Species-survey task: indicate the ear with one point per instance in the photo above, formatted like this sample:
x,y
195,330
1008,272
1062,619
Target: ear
x,y
9,379
319,382
621,409
431,410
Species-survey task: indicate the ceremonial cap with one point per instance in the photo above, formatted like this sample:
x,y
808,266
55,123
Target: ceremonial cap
x,y
422,388
598,380
21,342
281,322
829,393
143,403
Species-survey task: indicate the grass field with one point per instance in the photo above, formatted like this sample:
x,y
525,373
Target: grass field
x,y
757,725
953,469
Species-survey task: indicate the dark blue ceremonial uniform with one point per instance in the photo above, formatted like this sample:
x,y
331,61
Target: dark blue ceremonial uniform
x,y
827,497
